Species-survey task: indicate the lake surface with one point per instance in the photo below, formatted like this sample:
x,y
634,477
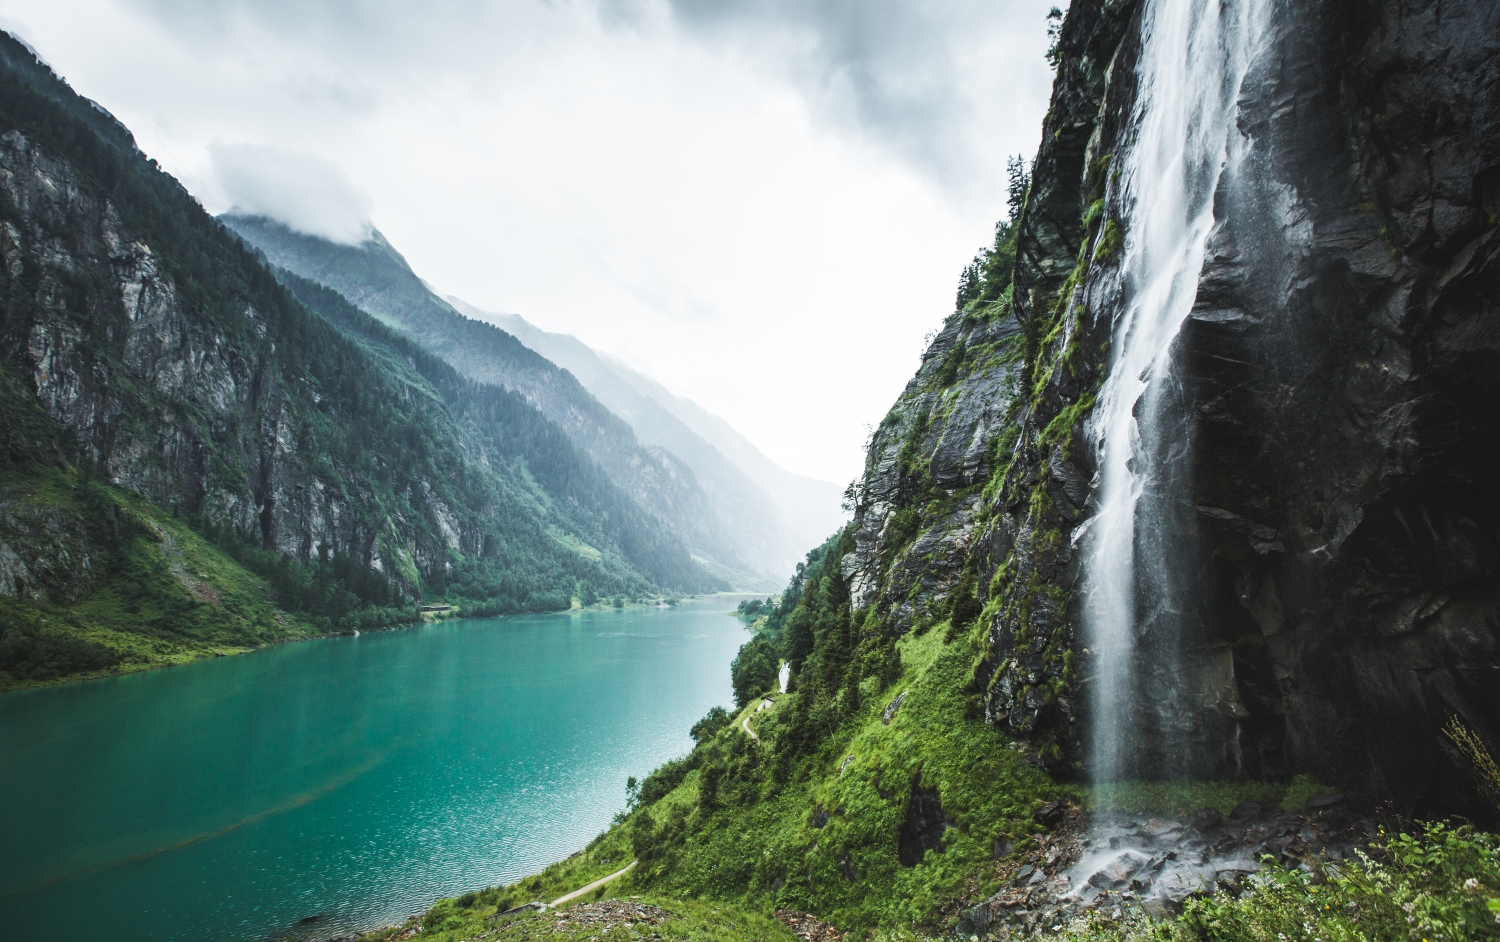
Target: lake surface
x,y
358,779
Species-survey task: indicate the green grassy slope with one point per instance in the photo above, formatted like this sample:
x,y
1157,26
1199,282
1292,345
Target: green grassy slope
x,y
158,593
810,815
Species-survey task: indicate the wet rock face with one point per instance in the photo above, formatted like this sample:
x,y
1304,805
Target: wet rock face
x,y
1341,367
1335,515
1335,518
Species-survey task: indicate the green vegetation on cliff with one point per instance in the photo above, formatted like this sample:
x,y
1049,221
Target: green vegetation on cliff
x,y
155,591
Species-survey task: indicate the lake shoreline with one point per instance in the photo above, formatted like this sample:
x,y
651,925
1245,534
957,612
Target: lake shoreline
x,y
181,659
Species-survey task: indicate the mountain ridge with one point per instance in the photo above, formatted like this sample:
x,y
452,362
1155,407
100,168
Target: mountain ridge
x,y
805,510
376,278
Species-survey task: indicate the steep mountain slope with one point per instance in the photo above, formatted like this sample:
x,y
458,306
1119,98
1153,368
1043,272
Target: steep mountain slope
x,y
140,343
776,513
814,507
377,279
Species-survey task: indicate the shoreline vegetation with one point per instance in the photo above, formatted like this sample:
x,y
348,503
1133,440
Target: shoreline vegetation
x,y
162,592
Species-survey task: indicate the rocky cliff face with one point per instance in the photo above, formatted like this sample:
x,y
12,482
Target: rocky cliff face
x,y
180,410
1334,517
920,504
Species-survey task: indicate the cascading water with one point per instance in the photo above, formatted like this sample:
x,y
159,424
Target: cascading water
x,y
1194,56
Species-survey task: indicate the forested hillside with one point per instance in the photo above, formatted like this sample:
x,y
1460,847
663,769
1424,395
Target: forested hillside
x,y
184,436
772,513
376,278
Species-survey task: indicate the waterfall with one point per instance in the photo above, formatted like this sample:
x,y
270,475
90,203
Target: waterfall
x,y
1193,59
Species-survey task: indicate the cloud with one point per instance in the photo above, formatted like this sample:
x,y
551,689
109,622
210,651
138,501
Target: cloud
x,y
765,204
933,82
928,80
305,191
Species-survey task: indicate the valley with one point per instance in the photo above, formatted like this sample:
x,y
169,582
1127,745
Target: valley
x,y
1165,606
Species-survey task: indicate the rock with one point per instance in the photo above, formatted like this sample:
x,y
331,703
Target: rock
x,y
807,927
1245,811
533,907
846,867
1206,819
891,708
1325,801
923,828
1160,907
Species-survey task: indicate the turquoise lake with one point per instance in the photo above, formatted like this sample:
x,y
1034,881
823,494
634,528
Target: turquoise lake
x,y
356,779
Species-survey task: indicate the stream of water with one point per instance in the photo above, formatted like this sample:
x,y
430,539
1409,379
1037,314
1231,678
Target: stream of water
x,y
1193,59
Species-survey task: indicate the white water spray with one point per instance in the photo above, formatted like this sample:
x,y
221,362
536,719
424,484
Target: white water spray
x,y
1194,56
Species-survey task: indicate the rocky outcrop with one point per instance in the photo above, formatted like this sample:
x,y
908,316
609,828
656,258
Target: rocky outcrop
x,y
919,504
186,412
1334,517
923,827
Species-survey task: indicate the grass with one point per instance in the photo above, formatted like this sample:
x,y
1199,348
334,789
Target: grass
x,y
469,916
763,854
160,593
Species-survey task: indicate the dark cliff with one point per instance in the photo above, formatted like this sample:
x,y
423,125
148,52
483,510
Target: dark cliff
x,y
1334,521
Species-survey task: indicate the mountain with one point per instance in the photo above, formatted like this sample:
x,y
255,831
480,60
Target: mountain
x,y
1178,558
186,440
375,277
738,475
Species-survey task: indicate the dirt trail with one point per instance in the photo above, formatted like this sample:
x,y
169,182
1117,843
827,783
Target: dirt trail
x,y
569,897
745,723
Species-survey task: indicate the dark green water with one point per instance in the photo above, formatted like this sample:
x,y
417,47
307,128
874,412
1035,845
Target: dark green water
x,y
357,779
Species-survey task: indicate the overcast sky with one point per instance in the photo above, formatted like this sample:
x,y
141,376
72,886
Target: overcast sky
x,y
765,204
